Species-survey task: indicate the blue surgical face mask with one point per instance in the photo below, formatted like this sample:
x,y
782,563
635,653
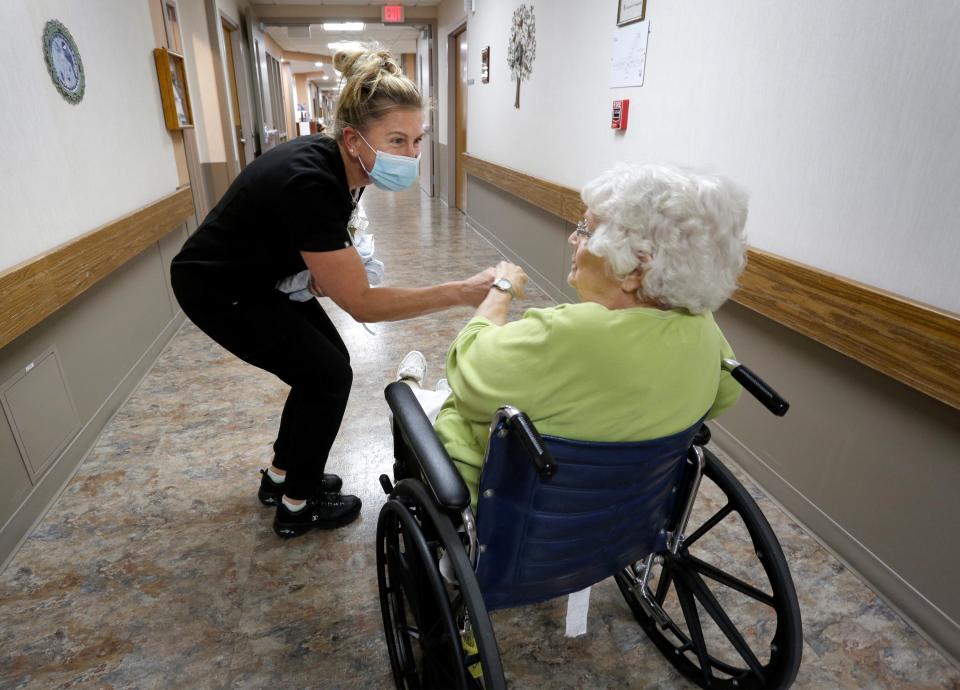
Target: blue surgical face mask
x,y
390,172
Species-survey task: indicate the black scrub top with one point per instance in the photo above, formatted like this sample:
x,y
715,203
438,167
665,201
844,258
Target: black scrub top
x,y
293,198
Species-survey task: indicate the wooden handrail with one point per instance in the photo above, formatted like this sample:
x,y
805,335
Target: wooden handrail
x,y
913,343
35,289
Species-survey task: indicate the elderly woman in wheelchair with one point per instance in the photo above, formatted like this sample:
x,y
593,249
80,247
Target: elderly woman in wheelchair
x,y
487,513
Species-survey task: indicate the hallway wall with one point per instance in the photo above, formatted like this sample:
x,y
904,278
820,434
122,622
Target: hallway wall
x,y
71,168
450,16
839,118
202,47
840,121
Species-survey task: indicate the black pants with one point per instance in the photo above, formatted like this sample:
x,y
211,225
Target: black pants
x,y
297,342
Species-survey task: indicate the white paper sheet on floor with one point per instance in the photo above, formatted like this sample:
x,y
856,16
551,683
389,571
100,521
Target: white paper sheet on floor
x,y
578,604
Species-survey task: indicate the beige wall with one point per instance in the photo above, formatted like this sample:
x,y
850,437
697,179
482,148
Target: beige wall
x,y
450,15
79,167
848,148
303,93
289,99
868,464
200,55
71,168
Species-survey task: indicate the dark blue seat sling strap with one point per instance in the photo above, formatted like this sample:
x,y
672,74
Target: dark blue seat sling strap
x,y
607,506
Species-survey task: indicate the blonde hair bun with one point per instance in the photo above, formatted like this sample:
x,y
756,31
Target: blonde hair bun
x,y
373,85
365,61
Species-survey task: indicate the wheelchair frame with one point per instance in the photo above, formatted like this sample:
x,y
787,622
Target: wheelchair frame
x,y
427,520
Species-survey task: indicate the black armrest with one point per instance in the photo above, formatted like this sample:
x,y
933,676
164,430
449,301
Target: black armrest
x,y
442,477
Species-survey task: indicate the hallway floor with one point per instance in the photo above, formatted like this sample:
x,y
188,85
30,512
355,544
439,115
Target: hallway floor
x,y
158,568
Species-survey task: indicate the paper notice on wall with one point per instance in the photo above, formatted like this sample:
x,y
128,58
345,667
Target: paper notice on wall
x,y
629,55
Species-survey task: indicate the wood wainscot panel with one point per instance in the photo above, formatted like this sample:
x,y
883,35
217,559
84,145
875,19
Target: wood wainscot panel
x,y
559,200
913,343
35,289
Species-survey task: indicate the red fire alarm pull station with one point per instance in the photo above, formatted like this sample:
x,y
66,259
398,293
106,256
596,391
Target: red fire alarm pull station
x,y
392,14
620,111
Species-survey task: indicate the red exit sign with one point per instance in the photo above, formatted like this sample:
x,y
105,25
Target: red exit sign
x,y
392,14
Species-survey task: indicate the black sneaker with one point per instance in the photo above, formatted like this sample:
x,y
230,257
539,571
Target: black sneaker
x,y
271,492
323,511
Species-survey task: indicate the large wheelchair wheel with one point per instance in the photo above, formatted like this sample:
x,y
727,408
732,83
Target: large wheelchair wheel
x,y
728,614
431,624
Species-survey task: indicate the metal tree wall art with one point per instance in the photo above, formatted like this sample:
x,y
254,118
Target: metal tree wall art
x,y
523,46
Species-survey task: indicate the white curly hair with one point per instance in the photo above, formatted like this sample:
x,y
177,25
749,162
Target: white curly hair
x,y
685,228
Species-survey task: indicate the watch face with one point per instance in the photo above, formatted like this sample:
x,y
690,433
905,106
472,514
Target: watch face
x,y
63,61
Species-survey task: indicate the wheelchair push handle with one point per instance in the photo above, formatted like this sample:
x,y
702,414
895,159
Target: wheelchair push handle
x,y
530,439
756,386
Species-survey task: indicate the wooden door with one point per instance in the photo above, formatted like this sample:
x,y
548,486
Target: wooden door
x,y
460,58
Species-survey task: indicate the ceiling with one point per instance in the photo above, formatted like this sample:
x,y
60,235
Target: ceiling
x,y
356,3
396,39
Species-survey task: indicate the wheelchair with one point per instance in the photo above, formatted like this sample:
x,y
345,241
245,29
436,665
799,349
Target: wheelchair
x,y
556,516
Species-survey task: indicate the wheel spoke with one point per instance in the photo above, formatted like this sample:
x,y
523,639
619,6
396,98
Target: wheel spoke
x,y
713,608
692,619
696,623
663,586
729,580
708,525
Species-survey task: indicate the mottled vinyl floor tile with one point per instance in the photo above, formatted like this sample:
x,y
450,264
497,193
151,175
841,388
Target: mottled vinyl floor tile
x,y
158,568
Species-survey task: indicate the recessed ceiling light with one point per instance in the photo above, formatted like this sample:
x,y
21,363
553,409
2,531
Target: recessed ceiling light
x,y
343,45
343,26
318,64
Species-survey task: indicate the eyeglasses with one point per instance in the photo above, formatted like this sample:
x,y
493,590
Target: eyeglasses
x,y
582,232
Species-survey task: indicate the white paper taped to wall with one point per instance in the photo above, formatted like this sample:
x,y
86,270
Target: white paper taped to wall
x,y
629,55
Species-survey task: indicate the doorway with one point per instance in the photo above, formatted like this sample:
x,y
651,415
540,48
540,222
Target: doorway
x,y
459,41
231,43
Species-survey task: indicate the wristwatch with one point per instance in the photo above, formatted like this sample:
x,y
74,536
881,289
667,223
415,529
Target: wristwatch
x,y
504,285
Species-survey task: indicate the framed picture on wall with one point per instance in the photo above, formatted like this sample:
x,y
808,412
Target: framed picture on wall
x,y
629,11
174,93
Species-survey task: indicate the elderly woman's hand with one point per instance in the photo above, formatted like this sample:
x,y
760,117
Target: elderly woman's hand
x,y
514,274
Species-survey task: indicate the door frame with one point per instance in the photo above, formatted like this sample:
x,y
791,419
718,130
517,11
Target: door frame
x,y
215,17
237,48
452,77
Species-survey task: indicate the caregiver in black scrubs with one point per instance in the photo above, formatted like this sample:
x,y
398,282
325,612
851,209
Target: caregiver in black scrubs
x,y
287,212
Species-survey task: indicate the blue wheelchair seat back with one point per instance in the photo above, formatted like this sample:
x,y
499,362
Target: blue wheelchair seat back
x,y
607,505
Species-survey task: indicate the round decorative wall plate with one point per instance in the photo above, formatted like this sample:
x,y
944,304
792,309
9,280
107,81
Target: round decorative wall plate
x,y
63,61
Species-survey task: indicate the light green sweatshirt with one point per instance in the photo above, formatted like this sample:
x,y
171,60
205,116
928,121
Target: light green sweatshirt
x,y
585,372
